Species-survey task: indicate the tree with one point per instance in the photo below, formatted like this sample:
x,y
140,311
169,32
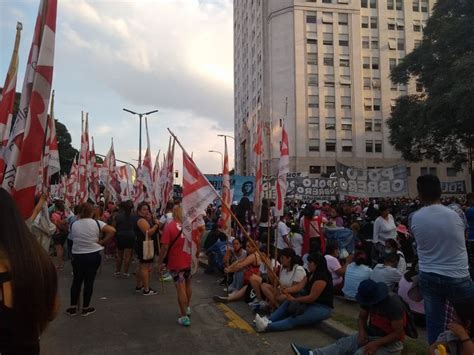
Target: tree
x,y
438,124
67,152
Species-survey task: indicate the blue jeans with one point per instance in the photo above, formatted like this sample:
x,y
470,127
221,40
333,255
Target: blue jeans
x,y
281,320
436,289
350,345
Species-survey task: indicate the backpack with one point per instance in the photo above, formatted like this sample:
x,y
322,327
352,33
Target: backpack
x,y
410,326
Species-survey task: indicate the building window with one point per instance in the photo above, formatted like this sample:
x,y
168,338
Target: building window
x,y
344,62
345,81
367,104
368,125
313,101
366,62
416,5
365,22
408,171
313,80
330,145
451,172
343,19
390,4
392,43
377,125
392,63
328,60
347,145
378,146
313,145
345,102
327,17
311,41
313,129
327,1
329,102
376,104
401,44
312,59
417,43
428,170
373,4
375,63
417,26
315,169
330,170
367,83
369,146
375,42
346,123
391,24
344,40
330,123
329,80
424,6
327,39
399,5
365,42
364,3
373,22
311,17
376,83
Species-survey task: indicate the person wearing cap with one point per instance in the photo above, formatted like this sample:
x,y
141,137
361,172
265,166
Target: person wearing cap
x,y
381,323
442,255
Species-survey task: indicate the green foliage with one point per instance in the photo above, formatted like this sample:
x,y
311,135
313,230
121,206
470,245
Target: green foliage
x,y
66,151
438,124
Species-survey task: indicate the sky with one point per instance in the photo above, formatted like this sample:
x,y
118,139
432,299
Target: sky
x,y
172,55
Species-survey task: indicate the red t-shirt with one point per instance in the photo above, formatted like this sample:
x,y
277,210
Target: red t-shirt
x,y
178,259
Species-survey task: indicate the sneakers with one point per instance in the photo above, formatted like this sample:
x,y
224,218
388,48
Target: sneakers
x,y
117,274
87,311
71,311
220,299
166,277
150,292
261,323
138,289
184,321
299,350
188,311
125,275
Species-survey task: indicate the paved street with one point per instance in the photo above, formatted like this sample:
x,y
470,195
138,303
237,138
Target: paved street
x,y
129,323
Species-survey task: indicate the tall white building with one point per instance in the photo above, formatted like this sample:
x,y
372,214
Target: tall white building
x,y
324,66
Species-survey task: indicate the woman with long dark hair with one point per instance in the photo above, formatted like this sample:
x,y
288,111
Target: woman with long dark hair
x,y
24,268
86,257
314,306
123,223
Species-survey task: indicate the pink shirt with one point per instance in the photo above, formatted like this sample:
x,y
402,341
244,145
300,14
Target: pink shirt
x,y
333,265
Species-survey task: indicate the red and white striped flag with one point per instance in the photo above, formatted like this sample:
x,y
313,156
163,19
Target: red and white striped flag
x,y
31,152
84,160
283,170
94,187
156,179
258,151
7,100
112,183
226,198
198,193
147,172
71,185
51,155
169,176
124,176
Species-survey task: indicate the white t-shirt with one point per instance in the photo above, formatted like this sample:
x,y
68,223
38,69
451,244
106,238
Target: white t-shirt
x,y
439,235
297,242
166,218
86,235
333,265
289,277
283,230
384,230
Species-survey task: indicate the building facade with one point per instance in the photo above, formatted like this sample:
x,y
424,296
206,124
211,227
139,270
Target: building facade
x,y
323,66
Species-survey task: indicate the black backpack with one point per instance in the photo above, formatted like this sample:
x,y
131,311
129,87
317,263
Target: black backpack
x,y
410,326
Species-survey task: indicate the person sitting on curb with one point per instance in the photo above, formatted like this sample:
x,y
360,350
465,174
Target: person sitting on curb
x,y
381,325
315,306
458,339
388,272
356,272
334,266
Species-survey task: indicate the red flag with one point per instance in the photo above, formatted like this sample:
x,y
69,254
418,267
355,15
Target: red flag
x,y
30,156
156,179
225,216
124,175
84,160
7,100
94,187
71,185
112,183
147,171
283,170
258,151
198,193
169,178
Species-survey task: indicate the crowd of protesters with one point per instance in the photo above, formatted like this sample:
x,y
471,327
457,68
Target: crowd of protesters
x,y
405,262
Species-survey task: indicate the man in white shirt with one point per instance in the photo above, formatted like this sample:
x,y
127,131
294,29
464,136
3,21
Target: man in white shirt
x,y
282,240
296,239
441,246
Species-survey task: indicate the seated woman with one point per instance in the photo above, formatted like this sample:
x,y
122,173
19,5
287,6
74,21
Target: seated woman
x,y
356,272
315,306
233,255
410,293
335,268
292,279
392,246
250,265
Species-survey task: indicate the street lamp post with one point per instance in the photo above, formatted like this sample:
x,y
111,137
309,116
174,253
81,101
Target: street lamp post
x,y
222,156
140,115
227,136
120,161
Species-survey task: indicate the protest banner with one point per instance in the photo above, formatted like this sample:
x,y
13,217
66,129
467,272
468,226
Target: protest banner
x,y
240,186
301,187
453,187
382,182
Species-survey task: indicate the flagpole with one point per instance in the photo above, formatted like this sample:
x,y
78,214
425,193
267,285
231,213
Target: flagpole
x,y
244,231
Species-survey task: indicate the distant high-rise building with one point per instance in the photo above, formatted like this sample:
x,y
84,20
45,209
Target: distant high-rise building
x,y
324,67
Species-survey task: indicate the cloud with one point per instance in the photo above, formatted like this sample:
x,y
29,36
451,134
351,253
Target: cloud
x,y
170,54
